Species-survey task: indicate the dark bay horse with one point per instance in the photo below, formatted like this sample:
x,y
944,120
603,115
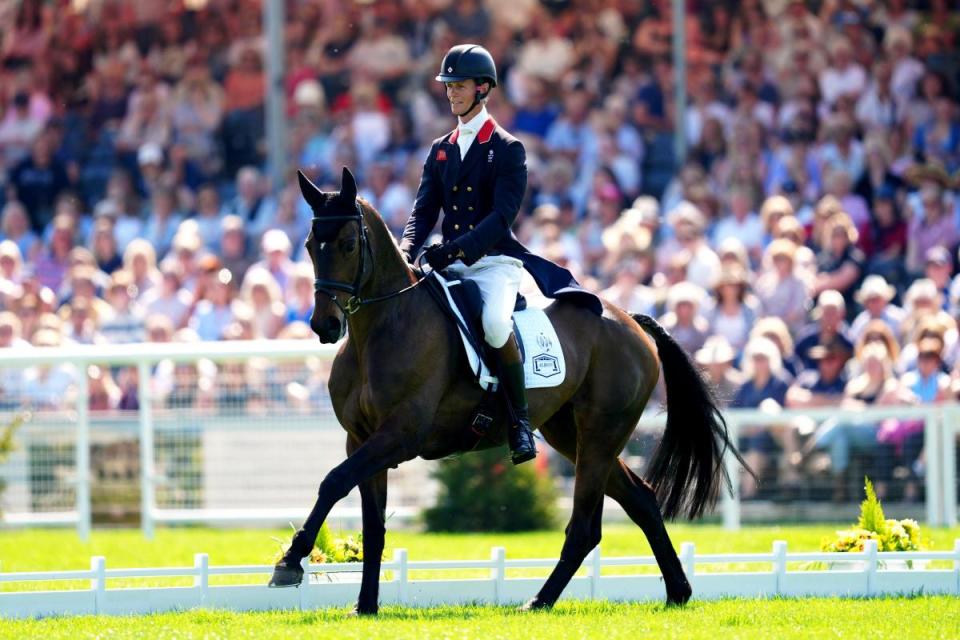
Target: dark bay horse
x,y
401,387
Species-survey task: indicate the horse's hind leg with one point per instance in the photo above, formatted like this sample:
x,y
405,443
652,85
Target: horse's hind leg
x,y
638,500
594,460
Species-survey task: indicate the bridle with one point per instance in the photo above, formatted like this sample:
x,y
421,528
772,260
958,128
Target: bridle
x,y
331,287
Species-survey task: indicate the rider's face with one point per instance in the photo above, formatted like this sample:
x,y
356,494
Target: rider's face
x,y
460,94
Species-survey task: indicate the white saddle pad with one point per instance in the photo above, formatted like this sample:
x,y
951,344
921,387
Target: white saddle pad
x,y
543,363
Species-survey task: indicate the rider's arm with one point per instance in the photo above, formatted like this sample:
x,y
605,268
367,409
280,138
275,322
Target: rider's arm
x,y
426,208
510,185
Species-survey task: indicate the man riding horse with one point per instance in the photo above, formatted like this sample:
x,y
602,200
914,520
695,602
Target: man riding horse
x,y
477,174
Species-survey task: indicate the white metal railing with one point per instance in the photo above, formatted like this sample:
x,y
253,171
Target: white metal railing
x,y
848,574
941,431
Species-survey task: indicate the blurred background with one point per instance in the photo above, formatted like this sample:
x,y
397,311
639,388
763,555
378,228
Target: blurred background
x,y
775,180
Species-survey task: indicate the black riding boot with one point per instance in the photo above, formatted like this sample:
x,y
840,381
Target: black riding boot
x,y
519,435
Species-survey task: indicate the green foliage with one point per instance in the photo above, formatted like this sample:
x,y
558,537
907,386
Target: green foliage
x,y
482,491
7,445
871,513
891,535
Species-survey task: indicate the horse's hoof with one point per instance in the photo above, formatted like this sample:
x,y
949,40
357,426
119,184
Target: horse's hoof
x,y
359,612
535,604
284,576
680,596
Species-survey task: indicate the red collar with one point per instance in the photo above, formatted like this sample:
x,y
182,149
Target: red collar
x,y
483,135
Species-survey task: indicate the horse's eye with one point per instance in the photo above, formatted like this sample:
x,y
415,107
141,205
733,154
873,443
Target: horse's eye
x,y
348,245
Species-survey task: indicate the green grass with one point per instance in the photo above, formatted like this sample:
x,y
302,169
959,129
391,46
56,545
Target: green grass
x,y
914,618
47,550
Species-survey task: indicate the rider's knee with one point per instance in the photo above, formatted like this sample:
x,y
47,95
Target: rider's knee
x,y
496,331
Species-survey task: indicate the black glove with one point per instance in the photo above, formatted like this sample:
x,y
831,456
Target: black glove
x,y
441,256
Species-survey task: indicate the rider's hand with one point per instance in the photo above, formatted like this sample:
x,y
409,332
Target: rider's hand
x,y
441,256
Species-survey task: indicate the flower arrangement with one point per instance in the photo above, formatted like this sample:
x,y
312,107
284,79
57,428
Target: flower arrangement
x,y
891,535
328,549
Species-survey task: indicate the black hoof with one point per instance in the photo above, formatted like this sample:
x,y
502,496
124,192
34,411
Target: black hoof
x,y
284,576
535,604
359,612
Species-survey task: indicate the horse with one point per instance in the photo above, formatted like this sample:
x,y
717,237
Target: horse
x,y
401,387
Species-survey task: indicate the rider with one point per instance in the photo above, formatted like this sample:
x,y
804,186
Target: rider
x,y
478,174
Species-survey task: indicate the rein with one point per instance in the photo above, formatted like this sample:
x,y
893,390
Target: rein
x,y
331,287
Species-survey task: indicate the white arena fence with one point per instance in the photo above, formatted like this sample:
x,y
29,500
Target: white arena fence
x,y
243,432
869,573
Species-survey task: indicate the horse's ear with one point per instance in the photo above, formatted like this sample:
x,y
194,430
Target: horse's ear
x,y
348,186
311,193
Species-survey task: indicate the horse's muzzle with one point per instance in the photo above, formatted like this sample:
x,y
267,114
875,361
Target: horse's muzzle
x,y
329,329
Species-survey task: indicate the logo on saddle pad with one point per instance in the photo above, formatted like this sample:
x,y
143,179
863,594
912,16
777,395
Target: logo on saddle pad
x,y
545,365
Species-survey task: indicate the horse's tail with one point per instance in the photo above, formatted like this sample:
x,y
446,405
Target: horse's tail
x,y
687,468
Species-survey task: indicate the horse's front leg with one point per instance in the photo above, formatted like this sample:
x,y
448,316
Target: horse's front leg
x,y
373,496
387,447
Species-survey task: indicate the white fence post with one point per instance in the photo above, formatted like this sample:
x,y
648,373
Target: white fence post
x,y
84,517
956,562
98,583
304,583
687,555
779,563
934,476
948,464
870,549
595,566
145,402
201,579
400,557
731,499
498,572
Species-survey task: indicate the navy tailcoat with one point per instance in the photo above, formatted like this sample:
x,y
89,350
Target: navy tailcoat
x,y
480,196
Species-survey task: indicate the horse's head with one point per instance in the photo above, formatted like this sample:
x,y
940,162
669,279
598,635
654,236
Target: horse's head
x,y
340,252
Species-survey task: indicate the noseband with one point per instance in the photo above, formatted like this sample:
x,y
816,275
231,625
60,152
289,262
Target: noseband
x,y
330,287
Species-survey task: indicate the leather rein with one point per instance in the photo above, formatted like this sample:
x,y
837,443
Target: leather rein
x,y
330,288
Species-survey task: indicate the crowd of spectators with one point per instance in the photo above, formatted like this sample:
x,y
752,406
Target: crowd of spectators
x,y
803,251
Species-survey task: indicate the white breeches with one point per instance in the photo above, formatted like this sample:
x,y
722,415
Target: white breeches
x,y
498,278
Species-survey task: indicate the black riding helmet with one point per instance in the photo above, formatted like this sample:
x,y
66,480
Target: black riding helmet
x,y
469,62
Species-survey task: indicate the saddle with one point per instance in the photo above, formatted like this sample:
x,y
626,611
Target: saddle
x,y
461,301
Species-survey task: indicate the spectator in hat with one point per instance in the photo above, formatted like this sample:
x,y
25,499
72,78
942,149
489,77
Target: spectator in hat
x,y
275,248
683,319
875,295
779,289
776,331
716,358
689,227
923,304
823,384
938,267
734,310
264,298
829,320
